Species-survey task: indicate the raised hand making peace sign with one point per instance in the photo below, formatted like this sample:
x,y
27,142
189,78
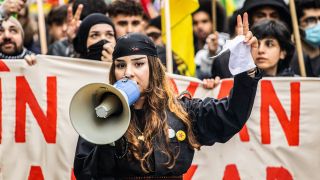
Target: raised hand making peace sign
x,y
73,22
242,28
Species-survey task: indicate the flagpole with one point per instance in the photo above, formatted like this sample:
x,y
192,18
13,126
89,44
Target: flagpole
x,y
214,19
297,37
168,37
42,28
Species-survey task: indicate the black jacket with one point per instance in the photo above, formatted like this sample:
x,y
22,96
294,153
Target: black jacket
x,y
312,65
213,121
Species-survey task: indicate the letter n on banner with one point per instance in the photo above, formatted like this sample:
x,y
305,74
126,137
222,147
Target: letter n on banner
x,y
275,173
3,68
290,126
35,173
48,122
231,173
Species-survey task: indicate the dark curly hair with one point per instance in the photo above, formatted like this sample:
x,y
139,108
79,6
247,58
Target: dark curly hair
x,y
125,7
57,15
302,5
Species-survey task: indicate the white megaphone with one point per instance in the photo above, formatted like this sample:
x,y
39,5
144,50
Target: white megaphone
x,y
100,113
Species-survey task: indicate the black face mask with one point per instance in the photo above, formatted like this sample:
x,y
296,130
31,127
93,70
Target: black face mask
x,y
94,51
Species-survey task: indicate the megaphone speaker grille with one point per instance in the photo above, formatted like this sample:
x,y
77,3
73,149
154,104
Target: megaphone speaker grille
x,y
84,118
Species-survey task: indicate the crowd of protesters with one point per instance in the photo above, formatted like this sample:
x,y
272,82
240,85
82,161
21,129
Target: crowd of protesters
x,y
75,30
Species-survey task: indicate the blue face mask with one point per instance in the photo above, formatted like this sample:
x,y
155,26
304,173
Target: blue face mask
x,y
313,35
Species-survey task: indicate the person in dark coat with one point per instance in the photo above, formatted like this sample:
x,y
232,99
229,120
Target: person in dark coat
x,y
164,131
75,14
258,11
95,38
308,15
270,9
274,53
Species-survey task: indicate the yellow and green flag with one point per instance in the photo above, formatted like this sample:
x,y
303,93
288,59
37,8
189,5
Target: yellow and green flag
x,y
181,34
229,5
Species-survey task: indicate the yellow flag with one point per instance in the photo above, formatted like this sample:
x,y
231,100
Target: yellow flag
x,y
181,34
230,6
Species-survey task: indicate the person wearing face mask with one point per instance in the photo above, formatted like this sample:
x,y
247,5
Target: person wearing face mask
x,y
95,39
308,15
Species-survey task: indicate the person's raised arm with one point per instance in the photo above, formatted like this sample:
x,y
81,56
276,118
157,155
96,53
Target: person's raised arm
x,y
219,120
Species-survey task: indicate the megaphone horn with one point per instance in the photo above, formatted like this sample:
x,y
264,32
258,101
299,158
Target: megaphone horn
x,y
100,113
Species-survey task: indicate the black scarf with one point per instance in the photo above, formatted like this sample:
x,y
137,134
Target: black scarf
x,y
94,51
80,41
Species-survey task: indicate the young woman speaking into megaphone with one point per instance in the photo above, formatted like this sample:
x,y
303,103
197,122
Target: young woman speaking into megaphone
x,y
165,130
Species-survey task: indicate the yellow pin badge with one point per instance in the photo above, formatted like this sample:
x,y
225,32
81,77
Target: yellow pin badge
x,y
181,135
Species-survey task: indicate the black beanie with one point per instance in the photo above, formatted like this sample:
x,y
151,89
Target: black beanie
x,y
280,5
134,44
156,22
80,41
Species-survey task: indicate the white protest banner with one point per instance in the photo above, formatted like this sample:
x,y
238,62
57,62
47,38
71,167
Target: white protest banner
x,y
37,141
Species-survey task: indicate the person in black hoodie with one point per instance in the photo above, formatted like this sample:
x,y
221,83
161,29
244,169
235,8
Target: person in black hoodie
x,y
95,38
270,9
164,130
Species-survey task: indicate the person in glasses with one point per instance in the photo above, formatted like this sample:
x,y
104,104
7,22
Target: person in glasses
x,y
308,13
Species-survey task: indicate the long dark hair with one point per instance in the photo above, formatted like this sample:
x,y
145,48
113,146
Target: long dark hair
x,y
158,95
276,29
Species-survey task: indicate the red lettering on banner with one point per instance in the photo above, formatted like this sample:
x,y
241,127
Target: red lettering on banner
x,y
192,87
270,99
225,88
3,66
73,177
278,173
244,134
174,85
48,122
35,173
188,175
231,173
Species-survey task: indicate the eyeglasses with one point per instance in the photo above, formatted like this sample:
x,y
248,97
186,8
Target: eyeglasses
x,y
310,21
154,35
